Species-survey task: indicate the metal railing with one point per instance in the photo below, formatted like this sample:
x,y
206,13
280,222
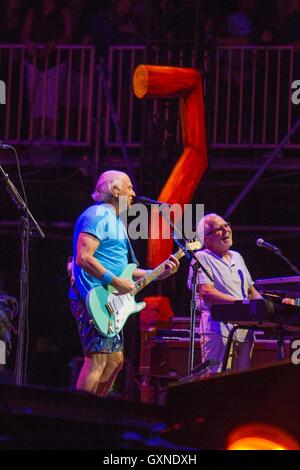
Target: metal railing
x,y
121,64
247,92
49,98
251,102
162,115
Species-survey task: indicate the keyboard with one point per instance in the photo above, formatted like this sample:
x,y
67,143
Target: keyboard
x,y
282,286
259,312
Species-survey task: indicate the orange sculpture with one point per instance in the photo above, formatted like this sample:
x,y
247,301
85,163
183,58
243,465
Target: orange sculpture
x,y
153,81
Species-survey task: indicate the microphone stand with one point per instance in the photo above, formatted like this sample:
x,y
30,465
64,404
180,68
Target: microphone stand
x,y
280,330
29,229
293,267
196,267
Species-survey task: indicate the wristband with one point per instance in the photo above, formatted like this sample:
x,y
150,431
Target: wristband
x,y
107,278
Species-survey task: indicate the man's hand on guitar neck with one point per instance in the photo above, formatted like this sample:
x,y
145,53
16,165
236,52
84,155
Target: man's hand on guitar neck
x,y
123,286
171,267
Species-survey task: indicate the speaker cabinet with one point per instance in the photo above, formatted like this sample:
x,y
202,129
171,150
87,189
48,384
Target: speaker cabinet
x,y
207,410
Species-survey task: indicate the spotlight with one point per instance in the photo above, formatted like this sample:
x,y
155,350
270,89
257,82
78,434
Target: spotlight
x,y
260,436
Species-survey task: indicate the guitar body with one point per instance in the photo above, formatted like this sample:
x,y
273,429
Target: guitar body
x,y
110,311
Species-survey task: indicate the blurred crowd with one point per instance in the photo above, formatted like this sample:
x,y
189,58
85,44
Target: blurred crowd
x,y
51,22
218,22
41,25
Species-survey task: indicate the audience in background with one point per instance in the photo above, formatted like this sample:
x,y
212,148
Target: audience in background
x,y
234,22
12,15
82,14
237,26
117,26
289,32
46,25
43,24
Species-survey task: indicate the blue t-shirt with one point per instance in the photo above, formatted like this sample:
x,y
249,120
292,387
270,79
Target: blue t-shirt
x,y
101,221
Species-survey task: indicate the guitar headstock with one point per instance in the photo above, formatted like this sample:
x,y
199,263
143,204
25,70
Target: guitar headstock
x,y
193,245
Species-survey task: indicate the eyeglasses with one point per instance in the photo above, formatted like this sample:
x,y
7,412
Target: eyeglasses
x,y
219,229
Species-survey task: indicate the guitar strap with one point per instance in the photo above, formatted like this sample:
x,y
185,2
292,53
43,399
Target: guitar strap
x,y
70,269
131,253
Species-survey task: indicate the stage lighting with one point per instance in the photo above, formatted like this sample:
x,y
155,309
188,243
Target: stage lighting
x,y
260,436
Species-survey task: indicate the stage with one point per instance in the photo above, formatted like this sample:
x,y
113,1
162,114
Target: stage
x,y
198,415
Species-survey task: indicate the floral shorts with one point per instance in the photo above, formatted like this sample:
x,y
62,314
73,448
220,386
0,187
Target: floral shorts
x,y
91,340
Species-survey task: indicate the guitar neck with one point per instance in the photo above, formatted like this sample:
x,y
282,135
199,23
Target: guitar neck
x,y
152,275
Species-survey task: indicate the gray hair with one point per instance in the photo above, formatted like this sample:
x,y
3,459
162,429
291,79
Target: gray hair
x,y
105,183
205,225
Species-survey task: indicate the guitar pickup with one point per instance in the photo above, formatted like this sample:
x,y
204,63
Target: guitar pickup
x,y
110,327
110,309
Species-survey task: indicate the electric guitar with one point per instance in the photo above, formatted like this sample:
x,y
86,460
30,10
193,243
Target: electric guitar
x,y
110,311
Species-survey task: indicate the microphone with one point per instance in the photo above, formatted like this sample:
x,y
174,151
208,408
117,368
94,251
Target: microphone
x,y
268,246
147,200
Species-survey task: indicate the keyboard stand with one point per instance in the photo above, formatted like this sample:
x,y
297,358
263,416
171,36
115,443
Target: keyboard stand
x,y
281,336
228,345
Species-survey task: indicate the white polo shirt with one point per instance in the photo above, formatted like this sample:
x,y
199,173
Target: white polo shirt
x,y
230,276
